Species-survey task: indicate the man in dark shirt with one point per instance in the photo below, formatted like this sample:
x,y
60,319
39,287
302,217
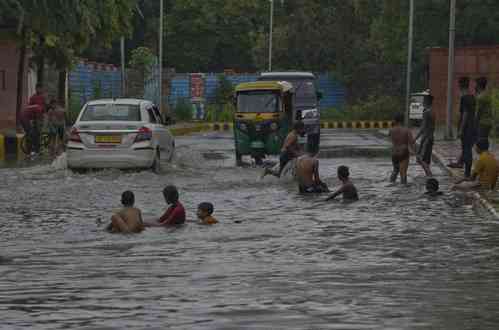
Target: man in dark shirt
x,y
466,124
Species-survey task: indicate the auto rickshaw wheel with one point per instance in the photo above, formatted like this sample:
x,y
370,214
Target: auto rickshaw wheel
x,y
258,160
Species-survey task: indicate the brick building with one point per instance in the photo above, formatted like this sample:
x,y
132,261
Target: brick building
x,y
472,62
9,68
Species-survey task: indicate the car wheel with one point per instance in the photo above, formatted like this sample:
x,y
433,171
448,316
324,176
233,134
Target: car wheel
x,y
258,160
156,164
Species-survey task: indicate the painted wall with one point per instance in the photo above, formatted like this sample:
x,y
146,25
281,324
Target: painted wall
x,y
333,92
91,80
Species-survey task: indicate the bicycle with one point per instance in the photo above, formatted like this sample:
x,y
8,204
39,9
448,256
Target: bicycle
x,y
44,143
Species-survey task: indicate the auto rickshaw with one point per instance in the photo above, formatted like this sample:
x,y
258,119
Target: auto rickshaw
x,y
263,118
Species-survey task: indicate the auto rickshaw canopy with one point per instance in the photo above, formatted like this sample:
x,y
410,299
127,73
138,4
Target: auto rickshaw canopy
x,y
282,86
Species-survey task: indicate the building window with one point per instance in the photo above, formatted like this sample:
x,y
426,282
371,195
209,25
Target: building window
x,y
3,86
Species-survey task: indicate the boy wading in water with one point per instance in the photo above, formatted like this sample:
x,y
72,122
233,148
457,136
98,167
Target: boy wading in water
x,y
290,149
128,219
347,189
205,214
426,133
403,145
307,174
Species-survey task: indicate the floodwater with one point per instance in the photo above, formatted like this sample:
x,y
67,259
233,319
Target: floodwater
x,y
276,260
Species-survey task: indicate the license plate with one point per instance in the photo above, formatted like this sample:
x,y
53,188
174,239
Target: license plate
x,y
113,139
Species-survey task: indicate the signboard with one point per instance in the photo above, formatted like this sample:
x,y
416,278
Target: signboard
x,y
197,87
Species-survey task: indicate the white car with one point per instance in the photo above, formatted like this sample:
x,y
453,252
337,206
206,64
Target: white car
x,y
119,133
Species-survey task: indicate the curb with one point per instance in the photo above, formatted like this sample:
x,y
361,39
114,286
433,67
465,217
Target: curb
x,y
201,127
439,159
363,124
485,203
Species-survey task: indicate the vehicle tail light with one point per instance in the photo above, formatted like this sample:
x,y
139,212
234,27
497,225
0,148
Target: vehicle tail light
x,y
145,134
75,135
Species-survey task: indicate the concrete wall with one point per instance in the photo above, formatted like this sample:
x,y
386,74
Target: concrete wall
x,y
9,65
473,62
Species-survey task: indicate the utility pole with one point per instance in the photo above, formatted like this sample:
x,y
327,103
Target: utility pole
x,y
160,57
450,69
270,33
123,71
409,63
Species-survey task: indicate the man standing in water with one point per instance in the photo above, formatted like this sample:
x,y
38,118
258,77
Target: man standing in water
x,y
466,126
307,174
290,149
426,133
403,144
467,122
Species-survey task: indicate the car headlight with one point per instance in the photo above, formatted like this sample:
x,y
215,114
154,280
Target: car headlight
x,y
274,126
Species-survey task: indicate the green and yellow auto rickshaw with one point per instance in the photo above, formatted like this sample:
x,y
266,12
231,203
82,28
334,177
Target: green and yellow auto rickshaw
x,y
263,118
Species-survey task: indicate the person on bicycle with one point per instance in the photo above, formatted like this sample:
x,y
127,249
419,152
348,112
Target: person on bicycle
x,y
56,126
32,119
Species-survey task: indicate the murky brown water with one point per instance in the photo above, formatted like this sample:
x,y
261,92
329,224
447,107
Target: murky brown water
x,y
276,260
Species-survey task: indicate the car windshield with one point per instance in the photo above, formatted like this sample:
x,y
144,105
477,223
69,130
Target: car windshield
x,y
111,112
258,101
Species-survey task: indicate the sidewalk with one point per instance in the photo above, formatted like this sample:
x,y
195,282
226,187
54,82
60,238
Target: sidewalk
x,y
446,151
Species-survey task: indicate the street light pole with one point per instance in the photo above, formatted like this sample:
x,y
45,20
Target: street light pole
x,y
123,71
160,56
270,33
409,63
450,69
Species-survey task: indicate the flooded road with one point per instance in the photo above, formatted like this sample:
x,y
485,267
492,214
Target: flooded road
x,y
276,260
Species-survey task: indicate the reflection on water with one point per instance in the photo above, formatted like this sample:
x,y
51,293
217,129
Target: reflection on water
x,y
277,260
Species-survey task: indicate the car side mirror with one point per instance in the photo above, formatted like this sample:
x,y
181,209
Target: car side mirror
x,y
319,95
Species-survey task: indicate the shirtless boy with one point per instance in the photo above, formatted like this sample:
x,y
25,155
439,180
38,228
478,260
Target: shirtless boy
x,y
403,145
290,149
307,174
347,189
128,219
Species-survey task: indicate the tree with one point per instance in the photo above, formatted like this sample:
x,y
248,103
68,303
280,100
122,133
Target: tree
x,y
59,30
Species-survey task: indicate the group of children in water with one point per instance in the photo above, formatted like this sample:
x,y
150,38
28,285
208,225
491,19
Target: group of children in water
x,y
484,174
129,218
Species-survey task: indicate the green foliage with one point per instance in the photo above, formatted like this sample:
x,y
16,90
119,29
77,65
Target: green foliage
x,y
142,59
183,110
97,89
225,90
74,109
220,112
494,97
374,108
61,29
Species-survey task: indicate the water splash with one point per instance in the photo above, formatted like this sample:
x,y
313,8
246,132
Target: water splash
x,y
61,162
